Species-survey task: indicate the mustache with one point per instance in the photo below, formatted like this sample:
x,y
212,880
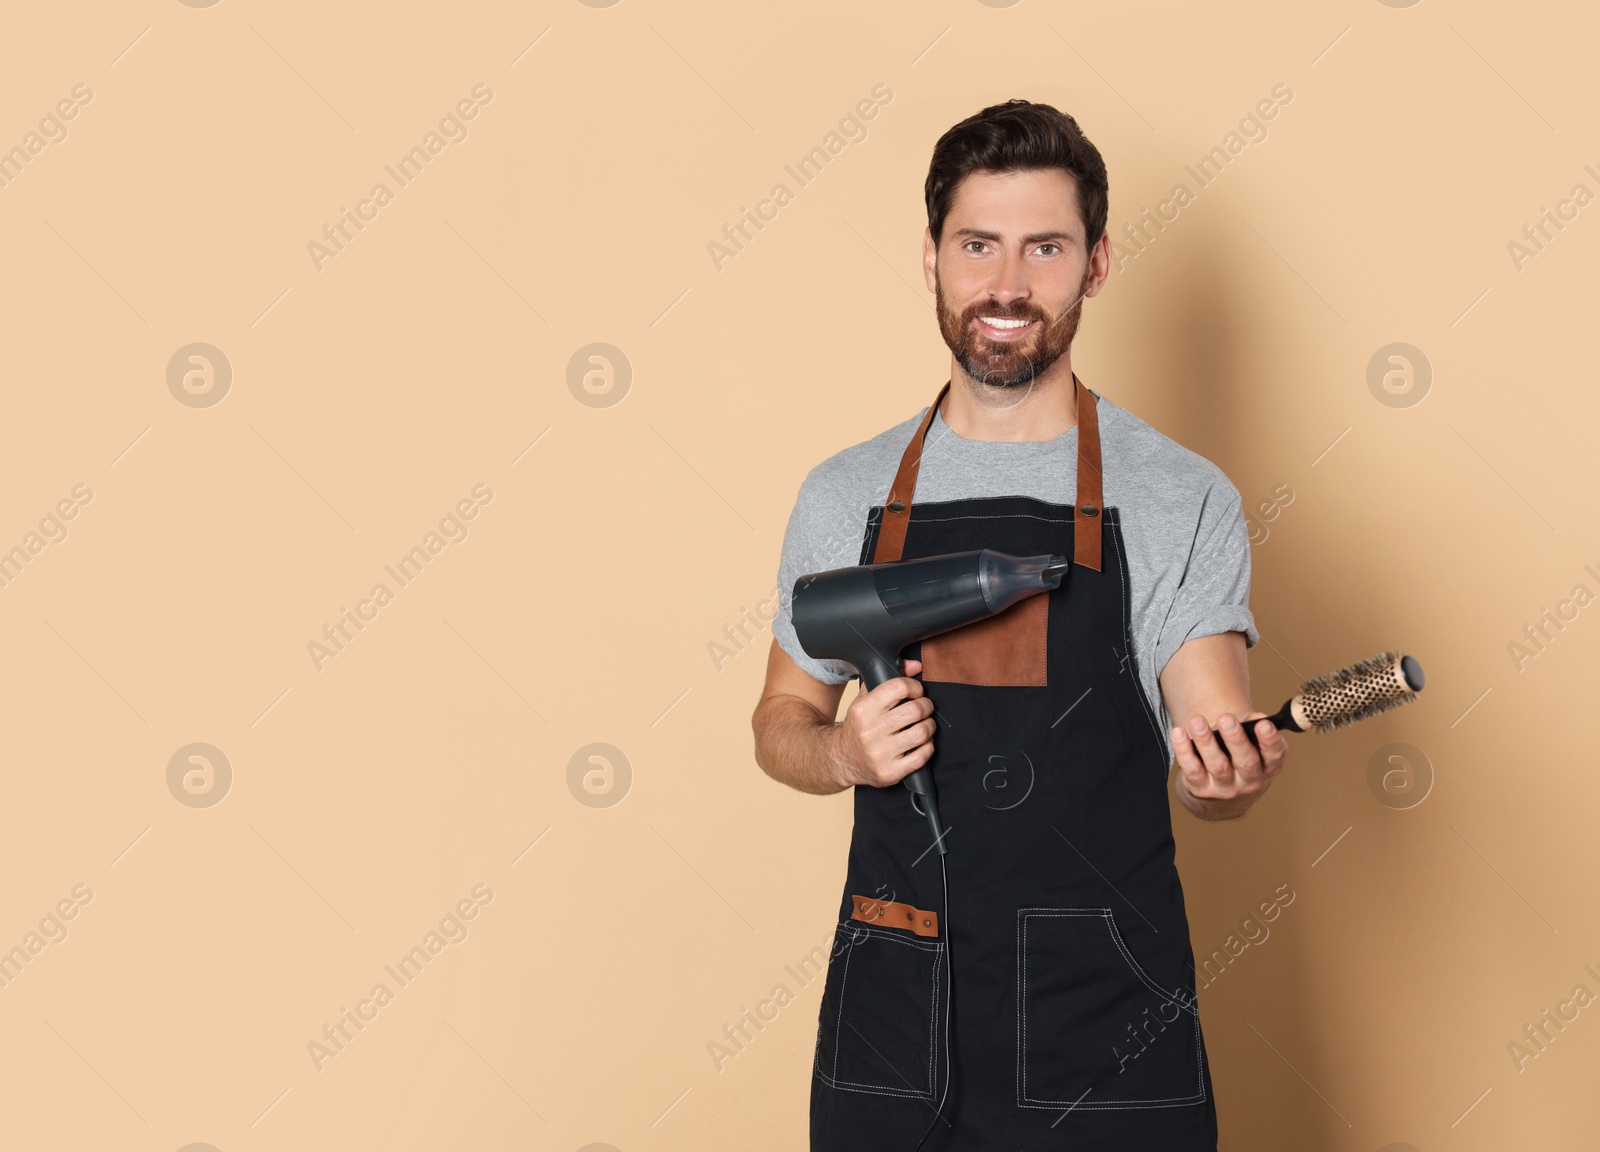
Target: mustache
x,y
1000,313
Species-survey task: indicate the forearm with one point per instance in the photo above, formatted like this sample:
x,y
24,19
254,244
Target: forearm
x,y
798,746
1206,687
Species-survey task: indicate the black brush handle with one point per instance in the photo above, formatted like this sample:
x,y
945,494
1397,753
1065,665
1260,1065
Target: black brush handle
x,y
1282,719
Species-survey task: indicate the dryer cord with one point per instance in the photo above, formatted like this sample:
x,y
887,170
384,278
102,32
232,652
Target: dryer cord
x,y
949,994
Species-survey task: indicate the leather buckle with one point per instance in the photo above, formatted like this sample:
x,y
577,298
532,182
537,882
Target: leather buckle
x,y
892,914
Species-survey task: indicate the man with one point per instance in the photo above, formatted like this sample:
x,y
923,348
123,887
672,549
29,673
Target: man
x,y
1034,987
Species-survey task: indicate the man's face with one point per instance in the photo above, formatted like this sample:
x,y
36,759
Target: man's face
x,y
1011,272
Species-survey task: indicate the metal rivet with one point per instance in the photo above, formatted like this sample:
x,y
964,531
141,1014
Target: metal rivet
x,y
927,923
1089,510
896,506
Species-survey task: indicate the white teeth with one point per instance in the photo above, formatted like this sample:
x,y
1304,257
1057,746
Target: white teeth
x,y
1005,323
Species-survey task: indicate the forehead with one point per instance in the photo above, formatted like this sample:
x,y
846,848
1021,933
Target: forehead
x,y
1015,203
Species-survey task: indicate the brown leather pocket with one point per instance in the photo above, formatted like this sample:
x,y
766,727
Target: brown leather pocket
x,y
1008,650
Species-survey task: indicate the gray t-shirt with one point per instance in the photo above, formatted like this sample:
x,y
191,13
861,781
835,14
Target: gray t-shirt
x,y
1182,523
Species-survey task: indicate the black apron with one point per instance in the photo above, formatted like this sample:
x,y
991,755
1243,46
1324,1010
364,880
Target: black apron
x,y
1075,1023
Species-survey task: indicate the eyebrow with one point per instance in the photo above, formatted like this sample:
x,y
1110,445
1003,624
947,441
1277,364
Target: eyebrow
x,y
1034,238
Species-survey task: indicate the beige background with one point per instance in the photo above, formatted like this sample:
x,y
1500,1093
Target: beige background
x,y
431,355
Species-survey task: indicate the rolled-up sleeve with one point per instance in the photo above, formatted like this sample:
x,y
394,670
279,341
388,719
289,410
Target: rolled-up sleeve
x,y
1214,593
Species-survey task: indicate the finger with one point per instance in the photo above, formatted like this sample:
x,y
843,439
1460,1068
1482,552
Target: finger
x,y
911,687
912,667
908,716
910,762
908,712
1269,744
1274,748
892,691
1246,760
1195,777
1218,766
915,736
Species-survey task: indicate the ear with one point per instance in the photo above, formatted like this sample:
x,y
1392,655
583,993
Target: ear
x,y
930,259
1099,264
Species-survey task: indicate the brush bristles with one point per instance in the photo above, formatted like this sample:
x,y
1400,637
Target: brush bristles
x,y
1366,710
1354,693
1382,662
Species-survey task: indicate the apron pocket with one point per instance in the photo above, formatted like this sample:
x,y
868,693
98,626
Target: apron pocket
x,y
875,1030
1093,1029
1007,650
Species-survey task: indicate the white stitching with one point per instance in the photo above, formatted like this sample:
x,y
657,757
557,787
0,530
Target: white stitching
x,y
878,1089
878,506
1164,1102
839,1024
1022,986
1175,996
1105,913
996,516
933,1016
1127,638
1023,1101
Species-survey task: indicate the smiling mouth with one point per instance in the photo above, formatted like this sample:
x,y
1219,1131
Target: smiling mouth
x,y
1002,329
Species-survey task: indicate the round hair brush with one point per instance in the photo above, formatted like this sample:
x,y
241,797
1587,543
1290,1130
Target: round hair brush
x,y
1386,681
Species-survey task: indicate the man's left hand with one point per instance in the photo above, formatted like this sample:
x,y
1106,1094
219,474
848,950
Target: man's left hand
x,y
1226,777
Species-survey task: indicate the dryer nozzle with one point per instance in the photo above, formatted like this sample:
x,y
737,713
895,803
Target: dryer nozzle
x,y
1007,579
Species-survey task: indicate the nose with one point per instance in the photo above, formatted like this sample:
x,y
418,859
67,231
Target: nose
x,y
1010,283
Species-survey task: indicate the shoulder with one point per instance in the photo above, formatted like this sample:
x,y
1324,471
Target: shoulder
x,y
836,497
1144,462
861,474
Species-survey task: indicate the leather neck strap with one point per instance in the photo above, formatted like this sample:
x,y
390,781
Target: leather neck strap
x,y
1086,514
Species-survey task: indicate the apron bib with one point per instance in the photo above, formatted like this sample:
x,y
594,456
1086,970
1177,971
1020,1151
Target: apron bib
x,y
1074,1022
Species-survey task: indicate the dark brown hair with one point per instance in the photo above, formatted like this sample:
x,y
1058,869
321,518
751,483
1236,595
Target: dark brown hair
x,y
1017,136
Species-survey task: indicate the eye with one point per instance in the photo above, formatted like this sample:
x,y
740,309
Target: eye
x,y
968,245
1057,247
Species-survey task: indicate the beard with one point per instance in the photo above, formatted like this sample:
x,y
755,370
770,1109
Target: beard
x,y
1009,364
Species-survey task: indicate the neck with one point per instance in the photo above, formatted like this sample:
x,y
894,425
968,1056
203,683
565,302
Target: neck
x,y
1040,411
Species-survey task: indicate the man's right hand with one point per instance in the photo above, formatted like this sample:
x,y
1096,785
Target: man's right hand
x,y
887,733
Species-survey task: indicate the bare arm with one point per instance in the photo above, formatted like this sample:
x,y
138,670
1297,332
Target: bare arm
x,y
1207,680
886,733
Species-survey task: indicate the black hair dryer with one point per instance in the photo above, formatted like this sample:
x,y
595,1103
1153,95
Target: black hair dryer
x,y
866,615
